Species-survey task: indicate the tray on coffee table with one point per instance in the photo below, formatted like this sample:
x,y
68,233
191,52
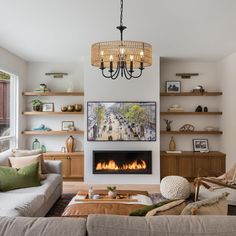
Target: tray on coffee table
x,y
122,196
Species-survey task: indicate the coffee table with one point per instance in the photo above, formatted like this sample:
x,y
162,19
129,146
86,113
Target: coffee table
x,y
79,206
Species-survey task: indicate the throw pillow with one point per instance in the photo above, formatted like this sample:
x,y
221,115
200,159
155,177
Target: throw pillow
x,y
213,206
23,153
172,208
19,162
144,210
11,178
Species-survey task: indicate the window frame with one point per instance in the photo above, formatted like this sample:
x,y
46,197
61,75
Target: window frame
x,y
14,112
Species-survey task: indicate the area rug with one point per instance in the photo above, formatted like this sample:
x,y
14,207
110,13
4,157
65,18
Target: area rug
x,y
61,203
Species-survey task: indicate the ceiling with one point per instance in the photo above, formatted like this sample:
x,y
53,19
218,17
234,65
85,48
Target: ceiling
x,y
63,30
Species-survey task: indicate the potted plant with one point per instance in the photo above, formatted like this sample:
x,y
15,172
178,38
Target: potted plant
x,y
37,105
111,191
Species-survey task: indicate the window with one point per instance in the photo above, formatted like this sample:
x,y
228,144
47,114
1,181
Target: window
x,y
8,111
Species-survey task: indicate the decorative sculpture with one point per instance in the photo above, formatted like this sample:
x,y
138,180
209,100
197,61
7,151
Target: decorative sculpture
x,y
168,123
187,128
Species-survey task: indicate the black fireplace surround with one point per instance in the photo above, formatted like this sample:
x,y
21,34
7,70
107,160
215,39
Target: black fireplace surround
x,y
122,162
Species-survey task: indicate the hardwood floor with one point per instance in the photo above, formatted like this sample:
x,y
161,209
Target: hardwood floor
x,y
75,186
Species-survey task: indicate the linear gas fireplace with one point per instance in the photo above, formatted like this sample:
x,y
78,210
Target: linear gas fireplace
x,y
122,162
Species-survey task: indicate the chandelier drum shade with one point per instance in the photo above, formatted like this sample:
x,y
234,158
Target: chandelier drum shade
x,y
125,58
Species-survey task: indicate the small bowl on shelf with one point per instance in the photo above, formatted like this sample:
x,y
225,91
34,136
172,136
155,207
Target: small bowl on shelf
x,y
64,109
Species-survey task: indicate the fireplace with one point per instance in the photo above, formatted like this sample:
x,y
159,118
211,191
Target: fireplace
x,y
122,162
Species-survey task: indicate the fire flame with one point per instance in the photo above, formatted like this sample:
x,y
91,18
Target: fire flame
x,y
111,165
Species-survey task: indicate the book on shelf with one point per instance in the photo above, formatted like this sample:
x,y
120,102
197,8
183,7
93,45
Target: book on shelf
x,y
173,152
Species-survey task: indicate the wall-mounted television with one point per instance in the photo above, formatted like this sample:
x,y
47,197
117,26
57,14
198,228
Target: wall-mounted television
x,y
121,121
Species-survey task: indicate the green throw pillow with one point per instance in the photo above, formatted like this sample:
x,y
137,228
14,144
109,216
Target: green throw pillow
x,y
144,210
11,178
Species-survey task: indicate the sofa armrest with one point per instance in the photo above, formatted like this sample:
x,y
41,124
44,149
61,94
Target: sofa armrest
x,y
53,166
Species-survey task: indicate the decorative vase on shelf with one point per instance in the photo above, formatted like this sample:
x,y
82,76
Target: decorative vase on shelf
x,y
36,144
112,194
111,191
172,144
70,144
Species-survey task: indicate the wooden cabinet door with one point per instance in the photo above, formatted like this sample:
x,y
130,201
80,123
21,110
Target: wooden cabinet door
x,y
201,166
77,166
65,165
185,166
168,166
217,165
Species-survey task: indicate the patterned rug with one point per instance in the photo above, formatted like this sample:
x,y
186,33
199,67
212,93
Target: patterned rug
x,y
61,203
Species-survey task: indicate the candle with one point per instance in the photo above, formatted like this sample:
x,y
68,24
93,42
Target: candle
x,y
131,63
111,63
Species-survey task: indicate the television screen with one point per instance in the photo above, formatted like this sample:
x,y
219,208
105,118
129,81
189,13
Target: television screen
x,y
121,121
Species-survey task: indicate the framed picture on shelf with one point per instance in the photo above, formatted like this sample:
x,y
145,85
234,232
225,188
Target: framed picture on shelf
x,y
67,125
200,145
173,86
48,107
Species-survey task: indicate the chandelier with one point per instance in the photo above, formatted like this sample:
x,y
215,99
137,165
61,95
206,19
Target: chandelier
x,y
125,58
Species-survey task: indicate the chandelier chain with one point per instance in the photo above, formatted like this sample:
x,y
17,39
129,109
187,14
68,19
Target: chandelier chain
x,y
121,12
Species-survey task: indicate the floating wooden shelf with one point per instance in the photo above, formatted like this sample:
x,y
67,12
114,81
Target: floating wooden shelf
x,y
192,94
191,113
55,153
52,132
53,93
191,153
44,113
191,133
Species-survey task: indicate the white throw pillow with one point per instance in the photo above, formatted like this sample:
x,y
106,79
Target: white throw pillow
x,y
23,153
20,162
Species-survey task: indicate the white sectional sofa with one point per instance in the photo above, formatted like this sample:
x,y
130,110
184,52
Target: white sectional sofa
x,y
34,201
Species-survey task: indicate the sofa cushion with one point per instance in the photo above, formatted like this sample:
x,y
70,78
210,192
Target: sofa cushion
x,y
104,225
212,206
52,226
11,178
23,153
19,162
172,208
27,204
47,186
4,161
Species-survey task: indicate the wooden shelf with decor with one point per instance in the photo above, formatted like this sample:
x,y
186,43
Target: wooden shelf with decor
x,y
50,113
53,93
192,164
72,163
192,94
191,113
191,132
52,132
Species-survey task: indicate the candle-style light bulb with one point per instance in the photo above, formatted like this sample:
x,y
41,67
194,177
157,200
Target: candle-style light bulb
x,y
141,54
131,57
111,58
122,51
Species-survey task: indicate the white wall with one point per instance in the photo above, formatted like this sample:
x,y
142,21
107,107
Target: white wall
x,y
145,88
36,75
208,78
17,66
227,74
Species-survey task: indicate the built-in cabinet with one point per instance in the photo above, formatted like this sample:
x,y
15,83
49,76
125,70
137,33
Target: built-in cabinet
x,y
72,163
192,164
